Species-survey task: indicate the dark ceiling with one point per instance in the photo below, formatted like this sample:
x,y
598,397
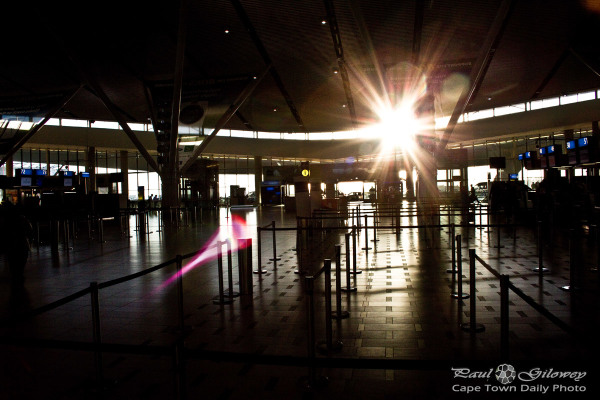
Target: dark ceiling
x,y
547,48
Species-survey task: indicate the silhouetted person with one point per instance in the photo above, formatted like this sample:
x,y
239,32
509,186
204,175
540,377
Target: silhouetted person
x,y
15,236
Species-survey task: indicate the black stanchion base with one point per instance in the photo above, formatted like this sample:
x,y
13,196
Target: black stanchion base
x,y
274,259
300,272
462,296
336,347
232,294
358,271
225,301
570,288
472,328
308,386
259,271
451,271
374,240
367,248
345,289
340,315
544,269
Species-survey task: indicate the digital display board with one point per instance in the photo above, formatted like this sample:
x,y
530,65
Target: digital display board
x,y
39,172
25,181
543,151
571,144
550,149
68,182
85,174
513,177
582,142
521,156
527,154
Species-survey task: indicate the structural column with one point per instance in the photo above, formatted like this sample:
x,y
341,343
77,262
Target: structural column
x,y
10,172
48,162
90,167
257,180
125,173
170,188
427,190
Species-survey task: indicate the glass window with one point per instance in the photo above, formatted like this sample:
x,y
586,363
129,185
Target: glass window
x,y
269,135
586,96
512,109
568,99
80,123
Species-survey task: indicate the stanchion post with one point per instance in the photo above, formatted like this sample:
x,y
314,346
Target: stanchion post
x,y
338,313
366,248
348,287
179,262
459,292
310,321
274,259
259,249
504,320
231,293
572,286
472,326
221,299
540,245
453,245
328,327
96,333
245,266
179,368
354,232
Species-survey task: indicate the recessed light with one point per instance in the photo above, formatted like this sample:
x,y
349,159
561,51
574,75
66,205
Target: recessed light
x,y
226,30
324,21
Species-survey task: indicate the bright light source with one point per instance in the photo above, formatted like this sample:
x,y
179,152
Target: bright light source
x,y
398,127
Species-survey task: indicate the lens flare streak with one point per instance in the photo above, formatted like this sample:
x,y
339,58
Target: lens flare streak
x,y
209,252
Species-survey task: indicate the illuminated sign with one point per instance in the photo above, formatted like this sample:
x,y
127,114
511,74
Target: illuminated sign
x,y
85,174
543,150
582,142
550,149
305,172
571,145
528,154
521,156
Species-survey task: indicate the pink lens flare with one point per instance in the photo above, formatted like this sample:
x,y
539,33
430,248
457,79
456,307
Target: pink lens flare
x,y
232,233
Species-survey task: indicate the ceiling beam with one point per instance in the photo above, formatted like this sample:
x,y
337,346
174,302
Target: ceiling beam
x,y
267,59
93,84
370,49
34,129
130,134
225,118
585,62
561,59
479,69
339,53
177,86
418,31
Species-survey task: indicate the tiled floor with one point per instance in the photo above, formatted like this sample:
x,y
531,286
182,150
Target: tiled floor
x,y
402,338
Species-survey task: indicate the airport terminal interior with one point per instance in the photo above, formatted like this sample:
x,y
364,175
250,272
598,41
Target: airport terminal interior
x,y
317,199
